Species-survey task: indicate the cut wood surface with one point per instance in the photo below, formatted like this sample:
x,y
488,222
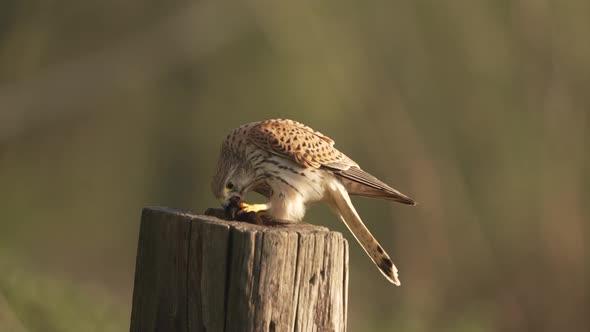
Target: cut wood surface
x,y
201,273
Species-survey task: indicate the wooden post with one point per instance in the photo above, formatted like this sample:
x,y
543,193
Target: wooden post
x,y
201,273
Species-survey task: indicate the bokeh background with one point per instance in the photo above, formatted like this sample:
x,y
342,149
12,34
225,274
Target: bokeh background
x,y
478,109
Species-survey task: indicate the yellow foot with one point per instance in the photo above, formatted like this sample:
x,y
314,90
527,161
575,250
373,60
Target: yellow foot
x,y
254,207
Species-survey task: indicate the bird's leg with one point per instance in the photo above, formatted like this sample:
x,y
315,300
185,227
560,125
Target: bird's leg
x,y
252,213
262,214
254,207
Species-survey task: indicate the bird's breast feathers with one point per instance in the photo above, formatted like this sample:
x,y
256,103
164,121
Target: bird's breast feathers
x,y
292,186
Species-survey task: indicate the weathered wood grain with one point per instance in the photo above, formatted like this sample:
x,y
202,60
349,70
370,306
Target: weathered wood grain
x,y
160,290
201,273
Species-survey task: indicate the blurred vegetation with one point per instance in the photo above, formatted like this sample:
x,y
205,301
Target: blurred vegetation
x,y
36,302
478,109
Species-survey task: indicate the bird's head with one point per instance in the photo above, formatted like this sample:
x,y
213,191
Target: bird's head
x,y
232,180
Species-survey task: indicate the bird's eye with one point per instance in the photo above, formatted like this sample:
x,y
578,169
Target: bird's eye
x,y
230,185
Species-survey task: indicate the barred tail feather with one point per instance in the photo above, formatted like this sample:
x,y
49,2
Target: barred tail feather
x,y
347,213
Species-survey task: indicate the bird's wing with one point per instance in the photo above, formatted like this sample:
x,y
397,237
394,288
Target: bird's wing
x,y
346,212
359,182
295,141
310,148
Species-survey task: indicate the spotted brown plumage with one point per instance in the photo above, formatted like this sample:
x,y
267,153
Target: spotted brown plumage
x,y
296,141
293,165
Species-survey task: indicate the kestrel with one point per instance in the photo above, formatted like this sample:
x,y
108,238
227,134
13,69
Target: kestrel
x,y
294,165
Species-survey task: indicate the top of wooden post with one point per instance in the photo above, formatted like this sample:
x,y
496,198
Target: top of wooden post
x,y
215,217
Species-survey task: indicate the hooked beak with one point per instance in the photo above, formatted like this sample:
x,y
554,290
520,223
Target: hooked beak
x,y
231,206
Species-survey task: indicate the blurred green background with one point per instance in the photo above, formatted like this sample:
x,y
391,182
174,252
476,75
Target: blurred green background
x,y
478,109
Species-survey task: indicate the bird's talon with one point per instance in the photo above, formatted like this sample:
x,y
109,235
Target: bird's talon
x,y
245,207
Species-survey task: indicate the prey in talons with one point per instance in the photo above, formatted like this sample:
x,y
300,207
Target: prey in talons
x,y
238,210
